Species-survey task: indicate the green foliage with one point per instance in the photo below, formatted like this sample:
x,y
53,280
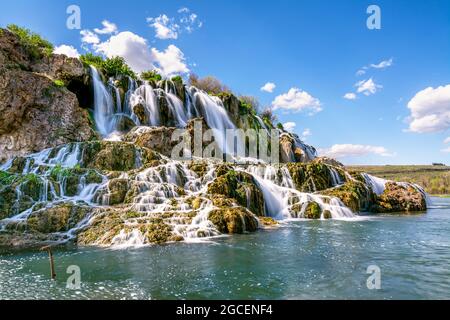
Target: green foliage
x,y
280,126
111,67
116,66
268,117
59,83
249,104
152,75
6,178
90,59
34,43
178,80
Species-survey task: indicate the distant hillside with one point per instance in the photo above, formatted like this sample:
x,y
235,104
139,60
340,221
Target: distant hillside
x,y
434,179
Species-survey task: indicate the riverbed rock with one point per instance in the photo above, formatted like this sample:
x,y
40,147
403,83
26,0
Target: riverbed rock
x,y
242,187
60,218
399,198
236,220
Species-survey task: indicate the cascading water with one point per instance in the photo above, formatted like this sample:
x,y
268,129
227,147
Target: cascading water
x,y
378,185
103,105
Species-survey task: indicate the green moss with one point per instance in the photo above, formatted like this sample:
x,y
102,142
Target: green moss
x,y
313,211
36,46
235,220
6,178
59,83
178,80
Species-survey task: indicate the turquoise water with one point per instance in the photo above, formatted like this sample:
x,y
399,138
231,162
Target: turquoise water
x,y
300,260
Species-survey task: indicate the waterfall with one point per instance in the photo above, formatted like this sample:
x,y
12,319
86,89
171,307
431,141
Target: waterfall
x,y
280,194
335,177
378,185
103,104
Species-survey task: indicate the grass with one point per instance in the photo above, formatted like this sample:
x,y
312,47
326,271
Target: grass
x,y
434,179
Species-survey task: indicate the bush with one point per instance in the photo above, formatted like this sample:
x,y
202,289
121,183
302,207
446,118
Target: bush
x,y
111,67
178,79
280,126
250,103
209,84
116,66
34,43
89,59
59,83
151,76
268,116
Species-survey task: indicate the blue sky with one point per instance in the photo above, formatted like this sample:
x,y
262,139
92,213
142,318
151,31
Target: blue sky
x,y
313,48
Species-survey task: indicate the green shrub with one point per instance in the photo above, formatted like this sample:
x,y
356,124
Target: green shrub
x,y
177,79
151,76
111,67
208,84
90,59
34,43
116,66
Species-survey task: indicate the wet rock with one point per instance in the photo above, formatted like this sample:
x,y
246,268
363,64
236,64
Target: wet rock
x,y
399,198
60,218
233,220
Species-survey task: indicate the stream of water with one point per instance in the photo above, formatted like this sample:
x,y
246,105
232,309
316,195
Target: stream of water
x,y
299,260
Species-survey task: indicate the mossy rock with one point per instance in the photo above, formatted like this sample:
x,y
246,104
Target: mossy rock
x,y
313,211
310,177
354,194
268,221
236,220
60,218
399,198
118,189
242,187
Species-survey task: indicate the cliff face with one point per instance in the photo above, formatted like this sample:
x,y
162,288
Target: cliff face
x,y
37,111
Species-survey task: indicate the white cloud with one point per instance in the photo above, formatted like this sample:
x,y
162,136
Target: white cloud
x,y
170,28
108,28
88,37
446,150
430,110
165,28
289,126
171,61
297,100
383,64
447,140
350,96
131,47
69,51
184,10
268,87
354,150
367,87
306,133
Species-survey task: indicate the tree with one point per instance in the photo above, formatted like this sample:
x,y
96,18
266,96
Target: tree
x,y
209,84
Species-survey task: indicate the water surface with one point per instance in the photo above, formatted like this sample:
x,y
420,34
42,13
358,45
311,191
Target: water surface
x,y
300,260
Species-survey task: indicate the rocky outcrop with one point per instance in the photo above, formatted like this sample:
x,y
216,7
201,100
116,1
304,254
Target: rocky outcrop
x,y
37,111
236,220
399,198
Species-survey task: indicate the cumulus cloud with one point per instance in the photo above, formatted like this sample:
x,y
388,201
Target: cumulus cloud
x,y
446,150
367,87
165,28
350,96
67,50
297,100
306,133
289,126
89,37
131,47
430,110
108,28
354,150
268,87
171,61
